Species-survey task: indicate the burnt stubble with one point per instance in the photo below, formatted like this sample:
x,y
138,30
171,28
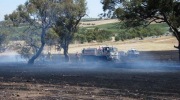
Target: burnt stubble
x,y
93,81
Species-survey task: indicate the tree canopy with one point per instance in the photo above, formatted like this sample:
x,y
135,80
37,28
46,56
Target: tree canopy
x,y
144,12
69,14
39,14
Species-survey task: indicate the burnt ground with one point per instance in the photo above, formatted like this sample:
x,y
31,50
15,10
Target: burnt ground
x,y
154,77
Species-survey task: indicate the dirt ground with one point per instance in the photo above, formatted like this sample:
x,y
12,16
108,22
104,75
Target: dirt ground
x,y
154,77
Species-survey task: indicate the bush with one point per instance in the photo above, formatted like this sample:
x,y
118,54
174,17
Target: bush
x,y
93,35
97,34
117,38
139,32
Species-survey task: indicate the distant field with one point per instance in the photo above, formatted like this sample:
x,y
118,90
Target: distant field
x,y
154,43
162,43
113,25
98,22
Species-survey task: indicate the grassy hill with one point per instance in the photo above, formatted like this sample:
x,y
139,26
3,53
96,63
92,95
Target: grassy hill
x,y
115,26
109,25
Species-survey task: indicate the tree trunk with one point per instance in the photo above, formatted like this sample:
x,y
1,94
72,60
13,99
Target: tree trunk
x,y
67,58
31,61
175,32
177,35
178,47
179,50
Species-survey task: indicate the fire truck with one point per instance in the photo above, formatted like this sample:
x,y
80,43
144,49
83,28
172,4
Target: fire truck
x,y
106,53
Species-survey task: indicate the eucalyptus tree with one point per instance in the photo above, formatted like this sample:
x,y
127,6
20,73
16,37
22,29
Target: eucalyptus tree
x,y
70,12
144,12
39,14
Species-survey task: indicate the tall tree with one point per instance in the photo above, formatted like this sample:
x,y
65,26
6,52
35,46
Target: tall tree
x,y
39,13
144,12
69,15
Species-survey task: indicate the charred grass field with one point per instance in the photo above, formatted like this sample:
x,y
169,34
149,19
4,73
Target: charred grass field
x,y
80,82
154,76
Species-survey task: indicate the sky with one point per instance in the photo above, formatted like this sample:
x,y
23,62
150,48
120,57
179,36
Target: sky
x,y
8,6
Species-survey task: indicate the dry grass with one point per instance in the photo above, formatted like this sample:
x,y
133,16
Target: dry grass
x,y
148,44
162,43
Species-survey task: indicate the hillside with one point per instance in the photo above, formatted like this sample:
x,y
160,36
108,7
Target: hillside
x,y
160,43
153,43
97,22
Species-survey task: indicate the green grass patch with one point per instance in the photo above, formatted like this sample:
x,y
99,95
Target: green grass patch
x,y
116,27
